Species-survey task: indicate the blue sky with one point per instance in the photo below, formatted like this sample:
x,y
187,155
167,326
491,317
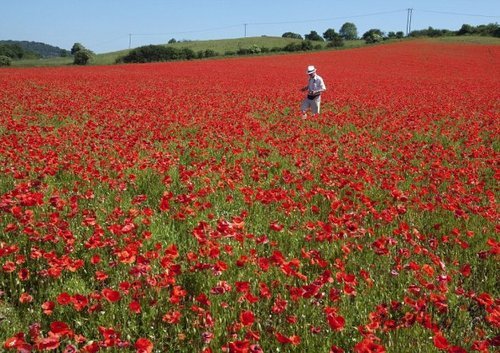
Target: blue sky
x,y
109,25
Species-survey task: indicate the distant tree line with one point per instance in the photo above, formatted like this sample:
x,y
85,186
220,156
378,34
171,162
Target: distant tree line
x,y
35,49
490,30
9,52
18,50
348,31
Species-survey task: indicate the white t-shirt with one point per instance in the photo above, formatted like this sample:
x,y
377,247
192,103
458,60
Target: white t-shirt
x,y
316,83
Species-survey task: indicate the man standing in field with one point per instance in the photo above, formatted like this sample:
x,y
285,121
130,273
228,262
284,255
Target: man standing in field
x,y
314,88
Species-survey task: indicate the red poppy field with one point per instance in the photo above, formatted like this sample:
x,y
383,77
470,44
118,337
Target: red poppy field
x,y
185,207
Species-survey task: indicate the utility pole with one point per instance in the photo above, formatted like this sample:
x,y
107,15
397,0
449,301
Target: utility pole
x,y
408,21
129,40
245,30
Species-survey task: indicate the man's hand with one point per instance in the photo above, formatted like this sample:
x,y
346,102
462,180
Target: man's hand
x,y
303,89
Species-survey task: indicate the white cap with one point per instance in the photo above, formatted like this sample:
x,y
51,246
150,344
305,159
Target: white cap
x,y
311,69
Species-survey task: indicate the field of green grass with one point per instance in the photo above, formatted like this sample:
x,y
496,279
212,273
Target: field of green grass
x,y
222,46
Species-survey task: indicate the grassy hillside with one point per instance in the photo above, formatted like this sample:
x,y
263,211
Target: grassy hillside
x,y
222,46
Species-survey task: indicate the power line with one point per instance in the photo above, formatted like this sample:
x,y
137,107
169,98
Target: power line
x,y
184,32
269,23
409,14
327,19
245,25
459,14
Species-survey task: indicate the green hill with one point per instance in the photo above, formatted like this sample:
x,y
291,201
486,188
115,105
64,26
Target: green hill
x,y
42,49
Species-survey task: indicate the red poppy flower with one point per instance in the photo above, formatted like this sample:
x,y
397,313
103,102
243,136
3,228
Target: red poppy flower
x,y
111,295
48,343
135,307
368,346
172,317
239,347
14,342
143,345
64,298
60,328
48,307
440,342
247,318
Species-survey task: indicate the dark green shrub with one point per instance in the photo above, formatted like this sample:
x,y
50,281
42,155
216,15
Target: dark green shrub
x,y
5,60
12,51
243,51
336,42
82,57
154,53
292,47
313,36
302,46
291,35
373,36
307,45
210,53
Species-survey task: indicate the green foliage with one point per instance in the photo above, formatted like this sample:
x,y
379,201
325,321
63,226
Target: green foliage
x,y
291,35
329,34
336,42
16,52
465,29
348,31
207,53
76,48
81,54
153,53
334,39
82,57
254,49
492,29
5,60
431,32
35,49
172,41
302,46
314,36
395,35
373,36
13,51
